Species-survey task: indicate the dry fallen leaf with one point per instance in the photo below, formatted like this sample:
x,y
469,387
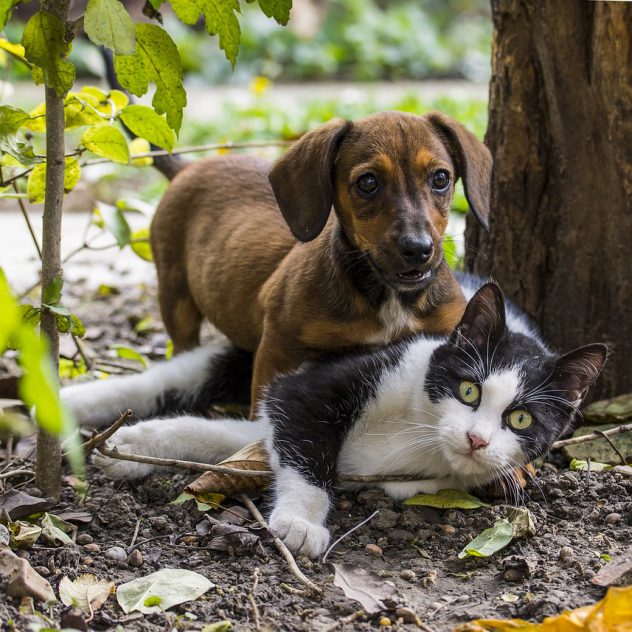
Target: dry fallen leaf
x,y
252,457
522,521
227,536
363,586
612,613
86,592
613,572
447,499
20,505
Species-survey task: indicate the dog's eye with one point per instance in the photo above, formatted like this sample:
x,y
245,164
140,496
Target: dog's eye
x,y
367,184
440,180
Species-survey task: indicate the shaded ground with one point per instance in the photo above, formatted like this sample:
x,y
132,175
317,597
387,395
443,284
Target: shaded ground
x,y
570,509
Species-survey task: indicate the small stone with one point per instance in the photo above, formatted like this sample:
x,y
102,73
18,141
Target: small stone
x,y
345,505
92,548
84,538
136,558
42,570
448,529
589,573
373,549
566,554
116,553
86,561
385,622
613,518
406,615
408,574
382,542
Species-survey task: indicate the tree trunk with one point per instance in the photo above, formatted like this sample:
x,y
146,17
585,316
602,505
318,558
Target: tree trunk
x,y
48,460
560,130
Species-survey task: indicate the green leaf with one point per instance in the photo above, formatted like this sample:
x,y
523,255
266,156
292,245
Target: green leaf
x,y
106,141
188,11
140,244
156,59
128,353
163,589
489,541
36,184
11,119
449,251
107,23
51,294
45,46
6,8
144,122
447,499
115,222
9,313
277,9
582,466
222,21
55,530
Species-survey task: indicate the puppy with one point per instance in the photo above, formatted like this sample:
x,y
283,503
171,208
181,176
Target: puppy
x,y
367,273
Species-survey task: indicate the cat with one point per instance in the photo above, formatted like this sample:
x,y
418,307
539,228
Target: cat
x,y
456,411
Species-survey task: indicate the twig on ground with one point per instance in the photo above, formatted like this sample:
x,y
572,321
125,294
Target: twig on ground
x,y
344,535
612,445
285,552
207,467
348,619
251,599
81,352
101,437
136,530
591,437
118,365
294,591
17,473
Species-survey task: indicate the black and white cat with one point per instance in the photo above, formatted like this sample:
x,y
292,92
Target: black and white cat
x,y
457,411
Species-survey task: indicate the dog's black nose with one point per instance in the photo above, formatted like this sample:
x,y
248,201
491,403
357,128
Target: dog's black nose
x,y
416,250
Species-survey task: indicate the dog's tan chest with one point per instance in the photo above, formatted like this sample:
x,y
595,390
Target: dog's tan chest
x,y
394,320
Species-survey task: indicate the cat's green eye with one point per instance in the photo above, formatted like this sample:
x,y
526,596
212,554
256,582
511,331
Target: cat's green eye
x,y
469,392
519,419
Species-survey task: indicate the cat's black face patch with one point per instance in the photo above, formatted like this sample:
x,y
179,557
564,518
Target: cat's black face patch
x,y
552,415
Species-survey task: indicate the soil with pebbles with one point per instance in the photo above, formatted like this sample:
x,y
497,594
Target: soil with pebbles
x,y
416,548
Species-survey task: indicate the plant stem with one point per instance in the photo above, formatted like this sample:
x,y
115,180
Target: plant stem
x,y
48,461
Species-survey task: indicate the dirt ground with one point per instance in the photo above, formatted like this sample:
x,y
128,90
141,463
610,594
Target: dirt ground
x,y
419,546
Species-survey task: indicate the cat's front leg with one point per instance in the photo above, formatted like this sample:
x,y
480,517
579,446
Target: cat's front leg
x,y
406,489
299,513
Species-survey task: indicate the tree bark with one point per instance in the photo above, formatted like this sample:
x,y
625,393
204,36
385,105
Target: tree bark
x,y
560,130
48,459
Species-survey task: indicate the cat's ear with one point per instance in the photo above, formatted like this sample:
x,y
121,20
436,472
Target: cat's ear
x,y
483,320
577,371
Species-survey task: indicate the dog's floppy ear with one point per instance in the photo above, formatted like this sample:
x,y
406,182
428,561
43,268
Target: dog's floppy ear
x,y
473,162
302,179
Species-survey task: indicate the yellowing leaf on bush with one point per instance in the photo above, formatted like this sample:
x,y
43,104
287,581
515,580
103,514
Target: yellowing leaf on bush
x,y
612,614
36,185
140,244
106,141
140,146
144,122
86,592
447,499
489,541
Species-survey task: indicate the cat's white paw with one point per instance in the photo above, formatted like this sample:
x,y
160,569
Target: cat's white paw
x,y
301,536
128,440
91,403
402,490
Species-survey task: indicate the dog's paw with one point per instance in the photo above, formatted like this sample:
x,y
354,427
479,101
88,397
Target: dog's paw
x,y
125,440
301,536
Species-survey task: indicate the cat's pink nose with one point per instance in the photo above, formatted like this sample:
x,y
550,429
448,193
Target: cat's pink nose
x,y
476,442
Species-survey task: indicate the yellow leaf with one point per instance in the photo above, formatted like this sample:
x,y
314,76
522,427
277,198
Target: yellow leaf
x,y
140,244
36,185
37,122
140,146
259,85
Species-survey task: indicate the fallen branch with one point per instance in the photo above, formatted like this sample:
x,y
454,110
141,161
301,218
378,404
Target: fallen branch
x,y
283,550
591,437
101,437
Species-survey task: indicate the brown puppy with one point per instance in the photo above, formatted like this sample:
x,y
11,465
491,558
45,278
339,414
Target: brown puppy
x,y
371,272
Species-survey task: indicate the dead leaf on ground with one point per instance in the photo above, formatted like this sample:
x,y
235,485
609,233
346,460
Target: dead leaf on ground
x,y
600,450
613,612
252,457
227,536
363,586
82,517
522,522
447,499
55,530
614,572
20,505
86,592
607,410
21,579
